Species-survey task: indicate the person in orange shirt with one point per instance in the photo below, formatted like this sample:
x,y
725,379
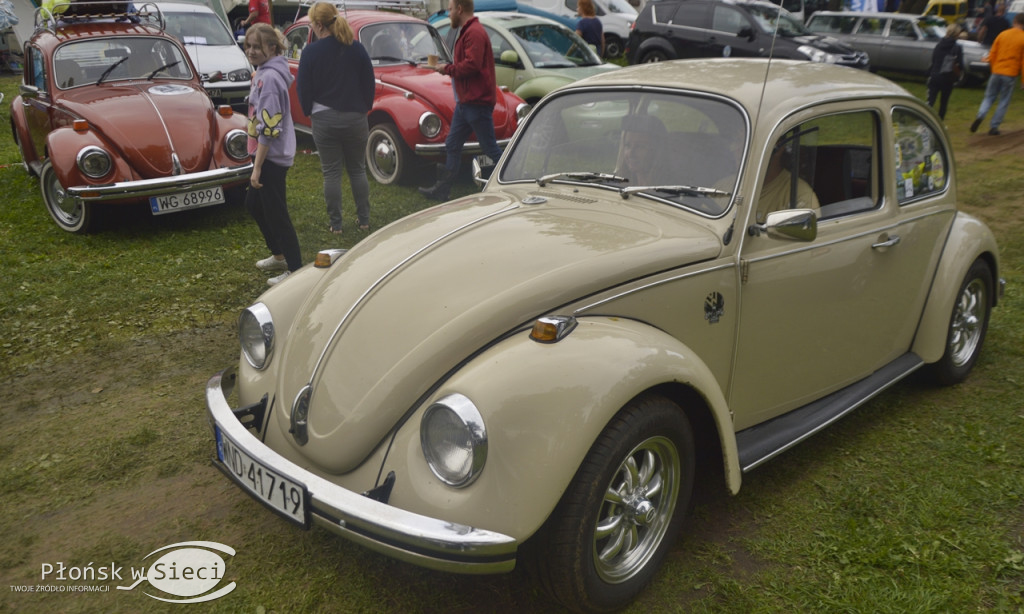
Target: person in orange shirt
x,y
1006,59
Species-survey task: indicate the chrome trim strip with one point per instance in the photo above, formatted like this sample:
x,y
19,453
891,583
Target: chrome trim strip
x,y
161,185
728,265
472,147
414,538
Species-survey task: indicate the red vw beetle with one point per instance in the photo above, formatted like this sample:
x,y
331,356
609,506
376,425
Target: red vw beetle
x,y
413,106
112,111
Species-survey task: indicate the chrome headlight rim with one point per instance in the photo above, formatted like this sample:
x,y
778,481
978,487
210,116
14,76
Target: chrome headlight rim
x,y
430,124
236,143
94,162
256,335
456,409
522,110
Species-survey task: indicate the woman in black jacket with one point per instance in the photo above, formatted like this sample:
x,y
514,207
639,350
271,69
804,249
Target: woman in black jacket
x,y
947,64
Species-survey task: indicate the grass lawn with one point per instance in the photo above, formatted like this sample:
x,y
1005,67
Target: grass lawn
x,y
915,503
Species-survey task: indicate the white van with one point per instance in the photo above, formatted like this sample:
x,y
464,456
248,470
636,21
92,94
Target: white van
x,y
617,17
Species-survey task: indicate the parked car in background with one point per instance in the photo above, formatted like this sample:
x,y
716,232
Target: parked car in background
x,y
222,65
533,55
679,29
898,42
413,106
617,17
950,11
676,273
113,111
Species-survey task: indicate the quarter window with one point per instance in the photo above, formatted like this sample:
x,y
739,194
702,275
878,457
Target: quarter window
x,y
921,160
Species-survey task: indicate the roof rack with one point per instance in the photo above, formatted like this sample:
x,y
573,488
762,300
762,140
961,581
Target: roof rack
x,y
49,16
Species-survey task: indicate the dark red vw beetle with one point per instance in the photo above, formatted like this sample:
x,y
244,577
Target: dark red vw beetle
x,y
112,111
413,106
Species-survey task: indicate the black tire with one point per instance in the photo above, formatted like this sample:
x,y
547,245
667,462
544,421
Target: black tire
x,y
70,215
653,55
597,551
388,159
613,46
968,325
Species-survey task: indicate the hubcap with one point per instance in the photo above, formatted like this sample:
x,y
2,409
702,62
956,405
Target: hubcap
x,y
384,156
68,209
967,322
636,511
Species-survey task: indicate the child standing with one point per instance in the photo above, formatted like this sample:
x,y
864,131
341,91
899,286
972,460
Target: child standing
x,y
272,147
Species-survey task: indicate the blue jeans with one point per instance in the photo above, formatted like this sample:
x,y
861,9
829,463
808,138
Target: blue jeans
x,y
470,119
1000,87
340,140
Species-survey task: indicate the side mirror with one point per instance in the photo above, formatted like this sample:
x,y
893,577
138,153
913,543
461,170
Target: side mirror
x,y
746,32
28,91
509,57
794,224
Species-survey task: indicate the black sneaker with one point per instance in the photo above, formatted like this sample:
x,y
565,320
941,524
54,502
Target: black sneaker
x,y
975,124
994,132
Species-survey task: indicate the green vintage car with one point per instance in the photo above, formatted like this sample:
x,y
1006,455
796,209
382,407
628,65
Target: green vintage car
x,y
675,268
533,55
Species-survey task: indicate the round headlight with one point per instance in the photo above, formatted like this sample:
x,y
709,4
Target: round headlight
x,y
430,125
236,144
522,110
256,335
454,440
93,162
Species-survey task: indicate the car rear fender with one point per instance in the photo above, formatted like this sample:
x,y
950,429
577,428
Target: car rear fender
x,y
968,240
63,145
543,406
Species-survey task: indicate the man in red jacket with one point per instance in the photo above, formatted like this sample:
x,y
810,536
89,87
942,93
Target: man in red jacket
x,y
472,73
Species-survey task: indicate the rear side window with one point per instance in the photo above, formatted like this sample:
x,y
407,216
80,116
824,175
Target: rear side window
x,y
832,24
902,28
922,162
871,27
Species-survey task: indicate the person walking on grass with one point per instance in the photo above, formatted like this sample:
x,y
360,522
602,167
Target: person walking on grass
x,y
472,73
335,87
947,63
1006,60
272,147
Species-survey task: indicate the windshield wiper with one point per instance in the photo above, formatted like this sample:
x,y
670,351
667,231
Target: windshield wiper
x,y
110,69
581,176
688,190
164,67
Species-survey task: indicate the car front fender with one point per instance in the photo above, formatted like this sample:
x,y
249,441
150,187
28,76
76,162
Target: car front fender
x,y
543,406
63,145
968,240
537,88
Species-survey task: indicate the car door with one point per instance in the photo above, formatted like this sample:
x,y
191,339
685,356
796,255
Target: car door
x,y
38,108
818,315
869,36
906,49
509,74
734,34
296,39
685,26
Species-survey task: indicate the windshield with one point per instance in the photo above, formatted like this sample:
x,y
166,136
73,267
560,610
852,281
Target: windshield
x,y
402,42
198,29
767,17
681,149
622,7
551,46
116,59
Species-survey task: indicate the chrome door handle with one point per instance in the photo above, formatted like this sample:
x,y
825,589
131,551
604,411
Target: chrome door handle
x,y
891,241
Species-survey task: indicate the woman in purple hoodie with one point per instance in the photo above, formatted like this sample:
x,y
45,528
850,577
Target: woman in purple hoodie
x,y
272,147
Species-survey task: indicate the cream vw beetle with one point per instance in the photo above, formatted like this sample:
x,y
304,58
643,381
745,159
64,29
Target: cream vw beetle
x,y
661,270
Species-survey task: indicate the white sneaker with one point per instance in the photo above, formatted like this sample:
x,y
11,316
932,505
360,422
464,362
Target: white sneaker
x,y
272,264
276,280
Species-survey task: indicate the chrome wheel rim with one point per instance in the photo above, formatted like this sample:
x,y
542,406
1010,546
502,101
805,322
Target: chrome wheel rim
x,y
637,509
67,210
383,156
968,319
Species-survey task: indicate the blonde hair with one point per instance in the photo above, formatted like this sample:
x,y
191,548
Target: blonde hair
x,y
326,15
267,37
585,8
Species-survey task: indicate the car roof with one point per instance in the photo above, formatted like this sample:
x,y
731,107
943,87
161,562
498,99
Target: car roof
x,y
913,16
509,19
184,7
790,84
359,18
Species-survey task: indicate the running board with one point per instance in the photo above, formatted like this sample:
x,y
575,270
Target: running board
x,y
764,441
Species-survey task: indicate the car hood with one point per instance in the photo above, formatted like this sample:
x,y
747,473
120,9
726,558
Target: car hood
x,y
166,121
825,43
410,303
211,58
575,73
436,91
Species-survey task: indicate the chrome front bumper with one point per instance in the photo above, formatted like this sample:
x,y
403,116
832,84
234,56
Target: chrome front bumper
x,y
424,541
161,185
473,147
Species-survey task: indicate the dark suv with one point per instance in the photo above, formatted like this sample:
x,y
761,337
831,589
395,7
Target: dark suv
x,y
678,29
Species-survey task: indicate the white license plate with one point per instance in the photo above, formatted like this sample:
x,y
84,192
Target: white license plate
x,y
182,201
281,494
